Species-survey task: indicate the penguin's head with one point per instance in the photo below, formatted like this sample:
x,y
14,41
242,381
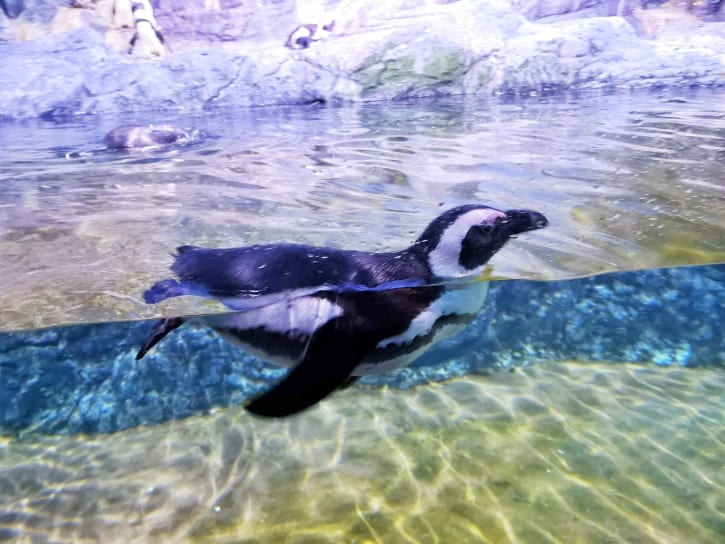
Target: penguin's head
x,y
461,241
301,37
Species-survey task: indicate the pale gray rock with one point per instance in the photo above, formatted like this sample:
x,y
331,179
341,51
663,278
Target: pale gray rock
x,y
232,57
540,9
235,20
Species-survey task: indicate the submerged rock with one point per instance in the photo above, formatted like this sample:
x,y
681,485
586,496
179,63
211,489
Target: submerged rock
x,y
235,56
67,380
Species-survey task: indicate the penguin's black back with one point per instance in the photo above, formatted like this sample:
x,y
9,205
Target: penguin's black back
x,y
265,269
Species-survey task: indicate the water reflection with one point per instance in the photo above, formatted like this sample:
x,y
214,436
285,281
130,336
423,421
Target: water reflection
x,y
627,184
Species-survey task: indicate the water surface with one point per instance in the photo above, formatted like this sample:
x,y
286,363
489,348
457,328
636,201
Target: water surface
x,y
627,183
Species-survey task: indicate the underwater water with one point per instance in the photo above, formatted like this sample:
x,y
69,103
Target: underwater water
x,y
586,403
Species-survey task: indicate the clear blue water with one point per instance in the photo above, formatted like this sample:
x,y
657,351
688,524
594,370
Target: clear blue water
x,y
627,274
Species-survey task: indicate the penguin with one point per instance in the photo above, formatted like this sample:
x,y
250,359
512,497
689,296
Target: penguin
x,y
147,39
122,14
334,315
137,136
303,36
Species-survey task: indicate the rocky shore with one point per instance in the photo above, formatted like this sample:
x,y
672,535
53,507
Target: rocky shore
x,y
67,57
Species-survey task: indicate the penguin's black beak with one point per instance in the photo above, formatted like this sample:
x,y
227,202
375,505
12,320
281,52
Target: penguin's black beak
x,y
519,221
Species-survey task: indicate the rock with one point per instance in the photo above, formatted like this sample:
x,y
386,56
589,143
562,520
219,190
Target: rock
x,y
266,20
540,9
43,75
234,56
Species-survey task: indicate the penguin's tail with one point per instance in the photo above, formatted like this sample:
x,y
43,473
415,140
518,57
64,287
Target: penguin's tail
x,y
171,288
161,329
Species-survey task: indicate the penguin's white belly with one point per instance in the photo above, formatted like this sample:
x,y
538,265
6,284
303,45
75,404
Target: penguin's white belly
x,y
292,321
445,331
148,43
464,302
292,316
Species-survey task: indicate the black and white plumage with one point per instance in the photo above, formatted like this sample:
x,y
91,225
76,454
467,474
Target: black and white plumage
x,y
303,35
147,39
334,314
139,136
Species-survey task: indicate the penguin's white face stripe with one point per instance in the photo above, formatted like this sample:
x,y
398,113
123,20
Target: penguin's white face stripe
x,y
444,258
292,317
461,301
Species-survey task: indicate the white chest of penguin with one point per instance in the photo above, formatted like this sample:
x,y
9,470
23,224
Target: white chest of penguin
x,y
298,318
464,300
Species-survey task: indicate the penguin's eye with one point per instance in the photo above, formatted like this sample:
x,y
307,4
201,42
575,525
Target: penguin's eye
x,y
486,229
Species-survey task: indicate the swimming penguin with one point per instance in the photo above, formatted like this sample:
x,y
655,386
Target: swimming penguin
x,y
137,136
333,315
303,36
147,39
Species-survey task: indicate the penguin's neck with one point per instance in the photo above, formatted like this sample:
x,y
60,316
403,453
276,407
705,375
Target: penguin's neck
x,y
408,264
443,266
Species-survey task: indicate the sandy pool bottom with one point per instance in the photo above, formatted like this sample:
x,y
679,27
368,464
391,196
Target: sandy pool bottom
x,y
562,452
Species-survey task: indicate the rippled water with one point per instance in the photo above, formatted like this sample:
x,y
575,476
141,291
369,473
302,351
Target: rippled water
x,y
562,453
532,426
627,183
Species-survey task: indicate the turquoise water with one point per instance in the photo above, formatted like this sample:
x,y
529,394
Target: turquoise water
x,y
585,403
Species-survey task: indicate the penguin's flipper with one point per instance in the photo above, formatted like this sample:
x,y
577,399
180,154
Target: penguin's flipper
x,y
170,288
161,329
321,371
